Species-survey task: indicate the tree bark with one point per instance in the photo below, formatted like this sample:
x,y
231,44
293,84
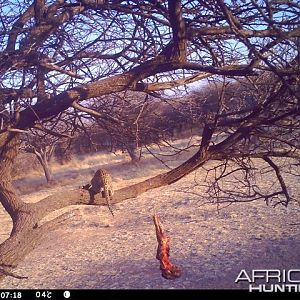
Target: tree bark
x,y
27,230
44,156
133,152
46,168
27,227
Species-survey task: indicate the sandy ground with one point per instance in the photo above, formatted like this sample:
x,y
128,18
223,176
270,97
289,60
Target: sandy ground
x,y
93,250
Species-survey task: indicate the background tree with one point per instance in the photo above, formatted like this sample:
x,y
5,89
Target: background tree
x,y
127,121
57,55
43,145
63,151
43,149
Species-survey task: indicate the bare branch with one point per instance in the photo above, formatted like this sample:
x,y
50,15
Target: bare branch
x,y
94,113
280,179
51,132
5,272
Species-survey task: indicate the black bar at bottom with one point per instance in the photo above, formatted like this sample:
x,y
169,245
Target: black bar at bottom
x,y
138,294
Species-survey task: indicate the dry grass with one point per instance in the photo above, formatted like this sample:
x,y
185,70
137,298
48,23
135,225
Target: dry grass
x,y
80,170
93,250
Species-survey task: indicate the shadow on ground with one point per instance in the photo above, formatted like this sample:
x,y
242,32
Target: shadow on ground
x,y
217,271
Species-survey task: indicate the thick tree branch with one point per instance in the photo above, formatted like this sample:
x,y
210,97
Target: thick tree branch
x,y
179,42
120,46
225,32
116,83
95,114
158,86
5,272
17,27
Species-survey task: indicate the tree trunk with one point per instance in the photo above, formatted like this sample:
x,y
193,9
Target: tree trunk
x,y
134,154
47,171
27,231
43,158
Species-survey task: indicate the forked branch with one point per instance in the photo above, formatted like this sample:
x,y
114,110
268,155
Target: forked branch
x,y
280,179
